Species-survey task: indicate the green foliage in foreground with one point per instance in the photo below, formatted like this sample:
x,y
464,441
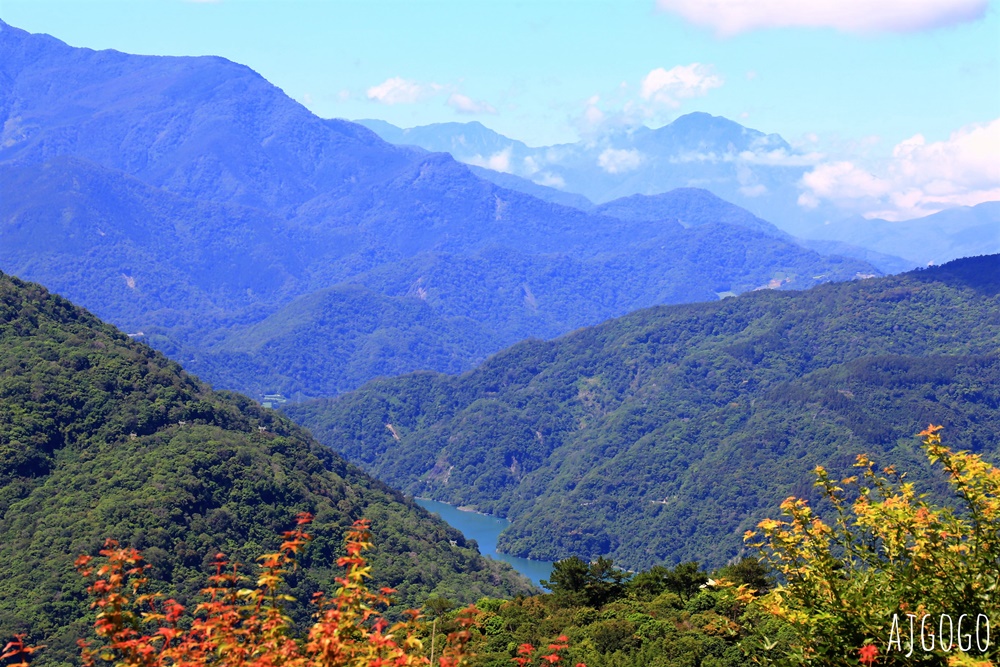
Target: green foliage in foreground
x,y
663,435
832,588
101,437
852,582
663,617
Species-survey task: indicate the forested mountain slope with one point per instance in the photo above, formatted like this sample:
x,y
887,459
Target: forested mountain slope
x,y
102,437
200,127
139,254
663,435
690,207
449,311
190,199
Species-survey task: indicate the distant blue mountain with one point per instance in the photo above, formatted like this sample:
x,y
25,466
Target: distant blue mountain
x,y
759,172
467,139
956,232
543,192
268,249
691,206
737,163
695,206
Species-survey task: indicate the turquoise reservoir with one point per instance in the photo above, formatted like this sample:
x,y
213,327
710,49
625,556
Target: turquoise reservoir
x,y
485,530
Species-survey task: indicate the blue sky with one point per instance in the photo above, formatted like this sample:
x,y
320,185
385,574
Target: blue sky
x,y
851,79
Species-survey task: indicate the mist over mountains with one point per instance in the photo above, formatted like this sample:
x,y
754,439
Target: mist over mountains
x,y
760,172
955,232
190,200
734,162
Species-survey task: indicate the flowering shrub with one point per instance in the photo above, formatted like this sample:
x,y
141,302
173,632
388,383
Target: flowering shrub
x,y
860,590
245,626
553,656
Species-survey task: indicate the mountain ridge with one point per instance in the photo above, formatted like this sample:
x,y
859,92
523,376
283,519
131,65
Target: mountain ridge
x,y
226,202
702,408
759,172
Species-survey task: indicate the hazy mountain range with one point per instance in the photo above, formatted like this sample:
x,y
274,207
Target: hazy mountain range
x,y
956,232
760,172
190,200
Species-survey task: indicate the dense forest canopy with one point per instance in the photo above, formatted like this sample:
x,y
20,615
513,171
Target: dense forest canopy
x,y
102,437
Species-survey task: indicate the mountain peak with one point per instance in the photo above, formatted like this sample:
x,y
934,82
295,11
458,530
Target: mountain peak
x,y
699,116
705,123
699,130
12,34
690,207
202,127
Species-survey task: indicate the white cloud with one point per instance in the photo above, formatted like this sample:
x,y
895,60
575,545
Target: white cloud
x,y
556,154
970,156
693,156
731,17
463,104
659,92
921,178
843,181
666,87
397,90
307,99
499,161
618,161
759,155
780,157
753,190
593,116
591,123
550,180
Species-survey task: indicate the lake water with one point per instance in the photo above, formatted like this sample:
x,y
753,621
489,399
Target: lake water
x,y
485,530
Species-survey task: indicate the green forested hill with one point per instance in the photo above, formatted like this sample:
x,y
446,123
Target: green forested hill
x,y
448,312
664,434
103,437
254,302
